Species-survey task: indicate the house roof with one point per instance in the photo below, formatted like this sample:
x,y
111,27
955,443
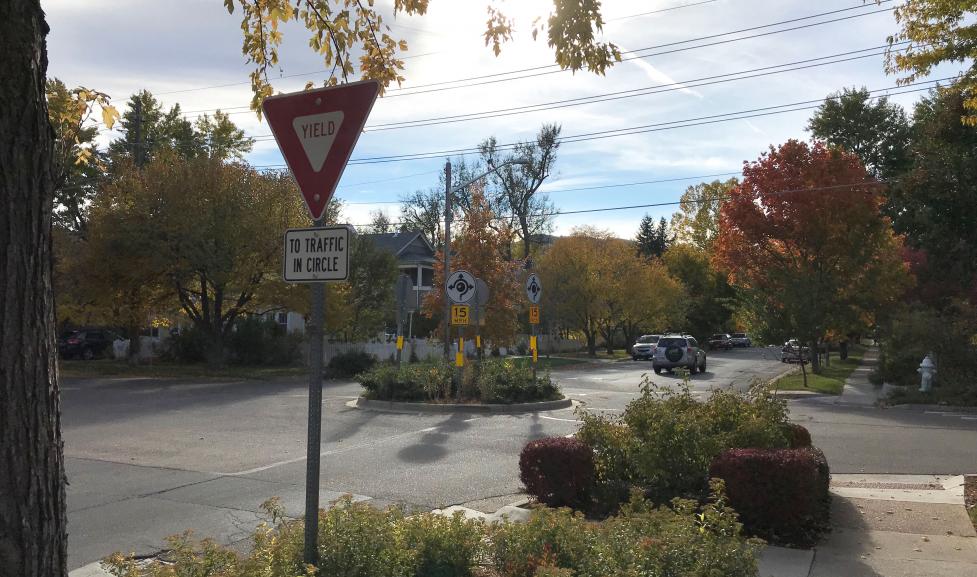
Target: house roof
x,y
409,246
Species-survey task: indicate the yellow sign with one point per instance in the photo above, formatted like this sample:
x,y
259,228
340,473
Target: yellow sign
x,y
460,355
532,342
534,314
400,342
459,315
535,356
478,341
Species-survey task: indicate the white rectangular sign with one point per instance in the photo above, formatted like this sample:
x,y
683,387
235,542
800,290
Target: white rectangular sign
x,y
316,254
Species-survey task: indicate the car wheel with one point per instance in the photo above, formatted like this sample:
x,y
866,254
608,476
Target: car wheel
x,y
658,370
634,357
702,369
88,354
693,368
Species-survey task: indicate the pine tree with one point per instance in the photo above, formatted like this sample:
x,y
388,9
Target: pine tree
x,y
645,240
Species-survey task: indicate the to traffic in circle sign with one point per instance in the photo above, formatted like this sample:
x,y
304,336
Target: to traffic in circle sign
x,y
316,254
460,287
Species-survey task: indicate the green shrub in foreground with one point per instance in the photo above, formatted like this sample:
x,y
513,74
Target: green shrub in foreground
x,y
356,540
350,364
642,540
665,440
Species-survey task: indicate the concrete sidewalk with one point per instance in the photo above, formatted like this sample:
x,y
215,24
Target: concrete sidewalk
x,y
887,526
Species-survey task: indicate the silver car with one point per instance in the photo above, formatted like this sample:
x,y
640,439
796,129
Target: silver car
x,y
678,351
740,340
644,347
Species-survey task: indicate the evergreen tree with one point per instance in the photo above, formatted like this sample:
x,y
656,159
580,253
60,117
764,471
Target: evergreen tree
x,y
652,241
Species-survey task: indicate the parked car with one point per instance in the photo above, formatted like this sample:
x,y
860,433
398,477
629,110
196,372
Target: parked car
x,y
740,340
793,352
720,341
644,347
86,344
678,351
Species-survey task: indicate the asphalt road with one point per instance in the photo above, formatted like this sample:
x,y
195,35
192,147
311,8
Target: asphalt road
x,y
150,458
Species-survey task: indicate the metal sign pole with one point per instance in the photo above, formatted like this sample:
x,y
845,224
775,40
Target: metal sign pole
x,y
315,422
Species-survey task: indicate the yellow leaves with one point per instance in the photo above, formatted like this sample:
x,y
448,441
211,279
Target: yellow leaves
x,y
109,115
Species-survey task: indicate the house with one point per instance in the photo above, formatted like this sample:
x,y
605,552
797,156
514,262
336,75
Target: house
x,y
415,257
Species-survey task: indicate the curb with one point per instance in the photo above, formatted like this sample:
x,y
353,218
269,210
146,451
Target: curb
x,y
938,408
406,407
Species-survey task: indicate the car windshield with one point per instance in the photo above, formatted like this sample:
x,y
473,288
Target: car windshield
x,y
648,339
718,337
672,342
739,335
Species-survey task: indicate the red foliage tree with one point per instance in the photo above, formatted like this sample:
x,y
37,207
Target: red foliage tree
x,y
805,241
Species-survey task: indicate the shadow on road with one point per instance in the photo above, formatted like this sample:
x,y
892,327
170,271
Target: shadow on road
x,y
432,446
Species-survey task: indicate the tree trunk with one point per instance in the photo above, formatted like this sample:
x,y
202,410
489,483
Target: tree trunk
x,y
33,541
815,356
591,343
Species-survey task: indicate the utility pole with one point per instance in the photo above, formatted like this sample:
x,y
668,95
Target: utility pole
x,y
446,319
138,153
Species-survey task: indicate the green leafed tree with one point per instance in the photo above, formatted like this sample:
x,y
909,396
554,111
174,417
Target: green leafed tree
x,y
877,132
934,205
697,222
368,296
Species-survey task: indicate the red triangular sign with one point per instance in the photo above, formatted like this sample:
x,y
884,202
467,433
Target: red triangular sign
x,y
316,131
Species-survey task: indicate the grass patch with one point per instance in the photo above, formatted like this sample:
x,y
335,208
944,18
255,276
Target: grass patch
x,y
831,380
953,397
114,368
970,497
546,363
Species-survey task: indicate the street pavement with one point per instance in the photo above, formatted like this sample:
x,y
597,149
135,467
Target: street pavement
x,y
149,458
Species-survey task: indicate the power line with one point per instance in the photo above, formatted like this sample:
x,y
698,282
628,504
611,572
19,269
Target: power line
x,y
605,186
553,68
660,10
547,69
717,198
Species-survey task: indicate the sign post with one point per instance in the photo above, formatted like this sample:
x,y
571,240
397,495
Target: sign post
x,y
534,290
316,131
404,286
460,288
481,299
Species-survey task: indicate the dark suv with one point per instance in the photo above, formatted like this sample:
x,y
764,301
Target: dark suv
x,y
720,341
678,351
86,343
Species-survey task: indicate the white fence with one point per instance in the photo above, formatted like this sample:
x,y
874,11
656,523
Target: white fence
x,y
425,348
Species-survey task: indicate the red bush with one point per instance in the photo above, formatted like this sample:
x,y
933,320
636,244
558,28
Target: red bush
x,y
798,437
557,471
781,495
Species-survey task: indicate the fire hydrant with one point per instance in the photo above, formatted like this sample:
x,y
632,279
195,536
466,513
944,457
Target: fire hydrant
x,y
926,370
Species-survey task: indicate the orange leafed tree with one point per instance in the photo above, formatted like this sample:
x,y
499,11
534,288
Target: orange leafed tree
x,y
804,240
479,249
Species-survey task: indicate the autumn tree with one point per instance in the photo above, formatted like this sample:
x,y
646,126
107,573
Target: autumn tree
x,y
937,31
568,270
697,221
78,165
803,237
877,132
477,249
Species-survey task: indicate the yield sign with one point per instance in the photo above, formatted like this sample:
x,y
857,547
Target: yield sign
x,y
316,131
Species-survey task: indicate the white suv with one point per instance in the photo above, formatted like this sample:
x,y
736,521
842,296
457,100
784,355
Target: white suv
x,y
678,351
644,348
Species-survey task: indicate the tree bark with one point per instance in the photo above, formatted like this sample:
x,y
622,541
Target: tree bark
x,y
33,540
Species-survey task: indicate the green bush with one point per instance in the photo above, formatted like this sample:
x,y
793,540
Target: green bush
x,y
668,541
350,364
257,341
665,440
488,381
443,546
948,334
190,345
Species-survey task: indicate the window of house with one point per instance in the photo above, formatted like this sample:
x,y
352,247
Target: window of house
x,y
412,273
427,276
282,319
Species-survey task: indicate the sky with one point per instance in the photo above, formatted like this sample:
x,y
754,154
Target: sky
x,y
696,67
